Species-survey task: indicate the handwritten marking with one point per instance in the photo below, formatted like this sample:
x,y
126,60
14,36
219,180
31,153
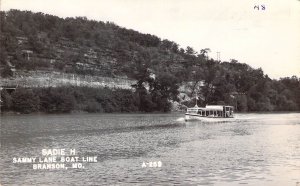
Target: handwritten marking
x,y
259,7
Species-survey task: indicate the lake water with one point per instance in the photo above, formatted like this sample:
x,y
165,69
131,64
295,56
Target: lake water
x,y
253,149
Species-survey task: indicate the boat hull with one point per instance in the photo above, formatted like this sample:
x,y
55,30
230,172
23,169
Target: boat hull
x,y
196,117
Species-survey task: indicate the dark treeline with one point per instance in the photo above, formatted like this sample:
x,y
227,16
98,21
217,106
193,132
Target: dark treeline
x,y
160,65
67,99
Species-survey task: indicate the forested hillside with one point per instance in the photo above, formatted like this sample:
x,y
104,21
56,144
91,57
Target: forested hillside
x,y
37,41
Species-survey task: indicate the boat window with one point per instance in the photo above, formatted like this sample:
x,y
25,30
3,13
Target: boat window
x,y
192,111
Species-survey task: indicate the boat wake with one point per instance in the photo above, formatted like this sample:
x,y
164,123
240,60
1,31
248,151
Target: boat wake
x,y
180,119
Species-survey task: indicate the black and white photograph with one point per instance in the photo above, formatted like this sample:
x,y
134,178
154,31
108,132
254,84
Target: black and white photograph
x,y
150,92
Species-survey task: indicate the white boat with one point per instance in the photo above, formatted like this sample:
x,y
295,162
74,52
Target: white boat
x,y
209,113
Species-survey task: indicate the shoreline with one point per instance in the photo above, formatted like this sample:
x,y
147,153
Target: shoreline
x,y
11,113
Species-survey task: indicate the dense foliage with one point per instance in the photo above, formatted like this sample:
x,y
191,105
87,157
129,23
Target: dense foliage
x,y
67,99
159,66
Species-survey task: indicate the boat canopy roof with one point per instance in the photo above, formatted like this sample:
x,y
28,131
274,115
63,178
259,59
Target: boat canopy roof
x,y
210,107
214,107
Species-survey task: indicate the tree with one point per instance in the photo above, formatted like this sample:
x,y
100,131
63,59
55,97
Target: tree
x,y
3,56
6,100
190,51
57,100
93,106
204,52
6,72
25,101
163,89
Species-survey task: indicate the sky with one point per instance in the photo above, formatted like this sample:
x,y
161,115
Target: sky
x,y
268,38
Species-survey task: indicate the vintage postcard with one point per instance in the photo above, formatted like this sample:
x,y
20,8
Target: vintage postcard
x,y
150,92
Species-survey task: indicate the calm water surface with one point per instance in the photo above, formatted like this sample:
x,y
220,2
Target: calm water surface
x,y
253,149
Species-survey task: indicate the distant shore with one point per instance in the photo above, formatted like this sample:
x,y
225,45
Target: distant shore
x,y
12,113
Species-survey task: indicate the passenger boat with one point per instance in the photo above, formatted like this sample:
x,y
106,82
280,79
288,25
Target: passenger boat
x,y
209,113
